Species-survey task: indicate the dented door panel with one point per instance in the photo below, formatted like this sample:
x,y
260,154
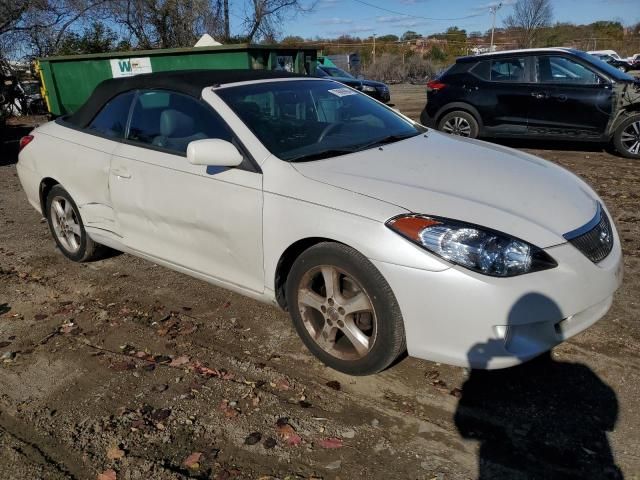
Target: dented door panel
x,y
207,222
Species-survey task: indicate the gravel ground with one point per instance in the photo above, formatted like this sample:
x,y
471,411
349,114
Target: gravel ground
x,y
123,369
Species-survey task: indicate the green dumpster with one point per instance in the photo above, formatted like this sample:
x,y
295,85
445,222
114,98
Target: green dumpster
x,y
68,81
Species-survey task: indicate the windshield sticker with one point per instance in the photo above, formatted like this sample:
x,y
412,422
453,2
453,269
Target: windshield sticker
x,y
342,92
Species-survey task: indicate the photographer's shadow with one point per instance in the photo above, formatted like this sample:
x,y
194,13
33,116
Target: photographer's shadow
x,y
544,419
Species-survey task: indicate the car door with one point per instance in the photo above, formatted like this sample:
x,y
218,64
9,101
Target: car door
x,y
87,175
570,99
503,96
205,219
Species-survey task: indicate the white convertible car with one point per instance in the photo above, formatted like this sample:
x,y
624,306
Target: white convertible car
x,y
376,234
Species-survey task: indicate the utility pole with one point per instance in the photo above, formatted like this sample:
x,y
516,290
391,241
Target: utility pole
x,y
374,48
493,9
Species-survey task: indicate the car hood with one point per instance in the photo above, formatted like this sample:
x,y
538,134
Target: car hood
x,y
467,180
373,83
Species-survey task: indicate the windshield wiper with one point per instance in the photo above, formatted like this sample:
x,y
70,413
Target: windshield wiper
x,y
320,155
385,140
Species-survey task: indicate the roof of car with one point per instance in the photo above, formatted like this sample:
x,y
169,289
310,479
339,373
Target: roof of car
x,y
530,51
189,82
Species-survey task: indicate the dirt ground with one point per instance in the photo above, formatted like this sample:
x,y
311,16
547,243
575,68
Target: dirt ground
x,y
121,368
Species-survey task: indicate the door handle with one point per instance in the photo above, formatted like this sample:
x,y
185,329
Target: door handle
x,y
121,173
539,95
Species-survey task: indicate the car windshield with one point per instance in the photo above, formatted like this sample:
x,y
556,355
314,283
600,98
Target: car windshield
x,y
336,72
605,67
302,120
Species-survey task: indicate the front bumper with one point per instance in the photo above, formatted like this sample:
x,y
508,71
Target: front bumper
x,y
382,95
462,318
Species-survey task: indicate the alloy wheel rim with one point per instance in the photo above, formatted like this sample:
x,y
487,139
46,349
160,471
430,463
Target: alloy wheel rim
x,y
631,138
65,224
457,126
337,313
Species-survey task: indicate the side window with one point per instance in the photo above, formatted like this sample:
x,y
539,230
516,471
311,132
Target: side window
x,y
482,69
172,120
508,70
111,121
552,69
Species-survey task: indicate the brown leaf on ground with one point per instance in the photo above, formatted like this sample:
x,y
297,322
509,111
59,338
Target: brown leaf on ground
x,y
107,475
40,316
282,384
228,410
288,433
114,453
192,462
332,442
122,366
200,369
179,361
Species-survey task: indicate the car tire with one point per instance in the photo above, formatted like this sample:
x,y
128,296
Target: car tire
x,y
626,138
355,326
459,123
67,228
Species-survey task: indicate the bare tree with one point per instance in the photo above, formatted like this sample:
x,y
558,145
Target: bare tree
x,y
38,26
265,15
527,18
168,23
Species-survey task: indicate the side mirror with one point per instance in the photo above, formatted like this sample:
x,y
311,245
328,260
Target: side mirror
x,y
213,152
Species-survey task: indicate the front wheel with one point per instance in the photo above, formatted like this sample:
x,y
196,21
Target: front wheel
x,y
344,310
67,228
626,138
459,123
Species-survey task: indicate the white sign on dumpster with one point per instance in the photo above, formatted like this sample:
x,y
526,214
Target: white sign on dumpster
x,y
128,67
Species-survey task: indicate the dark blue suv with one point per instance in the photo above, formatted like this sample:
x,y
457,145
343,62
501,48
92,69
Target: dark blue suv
x,y
550,93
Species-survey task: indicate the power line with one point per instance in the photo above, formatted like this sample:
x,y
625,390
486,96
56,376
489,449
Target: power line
x,y
414,16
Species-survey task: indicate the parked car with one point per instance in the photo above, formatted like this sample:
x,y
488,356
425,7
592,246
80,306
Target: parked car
x,y
622,65
375,234
549,93
634,60
612,53
377,90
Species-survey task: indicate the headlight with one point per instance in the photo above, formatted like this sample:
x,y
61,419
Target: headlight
x,y
477,248
368,88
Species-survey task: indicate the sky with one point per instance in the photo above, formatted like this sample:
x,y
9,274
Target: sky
x,y
331,18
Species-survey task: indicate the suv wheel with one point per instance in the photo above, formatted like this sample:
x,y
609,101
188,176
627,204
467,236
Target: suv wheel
x,y
626,138
344,310
459,123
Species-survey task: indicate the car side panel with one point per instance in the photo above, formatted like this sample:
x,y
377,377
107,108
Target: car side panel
x,y
208,220
332,213
80,163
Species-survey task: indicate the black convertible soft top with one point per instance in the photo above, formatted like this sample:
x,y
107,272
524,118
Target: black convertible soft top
x,y
189,82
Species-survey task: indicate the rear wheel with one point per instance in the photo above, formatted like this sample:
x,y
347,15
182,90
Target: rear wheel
x,y
344,310
67,228
626,138
459,123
